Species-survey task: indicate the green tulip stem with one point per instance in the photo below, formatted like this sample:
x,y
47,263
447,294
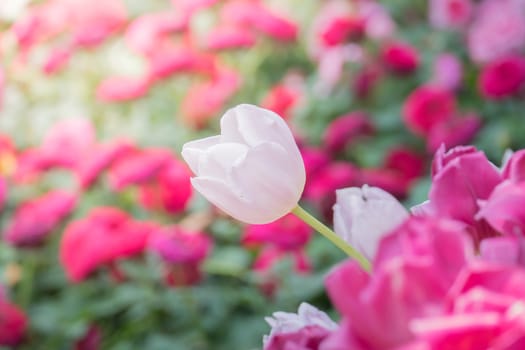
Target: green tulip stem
x,y
332,237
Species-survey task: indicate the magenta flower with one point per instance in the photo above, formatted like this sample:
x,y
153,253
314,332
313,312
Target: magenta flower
x,y
413,271
13,324
137,167
105,235
183,251
514,168
463,176
345,129
35,219
504,210
170,190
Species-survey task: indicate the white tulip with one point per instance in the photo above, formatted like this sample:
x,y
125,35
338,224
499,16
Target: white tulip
x,y
362,216
253,170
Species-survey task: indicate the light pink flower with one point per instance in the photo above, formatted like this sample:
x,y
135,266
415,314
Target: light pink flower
x,y
497,30
298,331
447,72
232,169
450,14
362,216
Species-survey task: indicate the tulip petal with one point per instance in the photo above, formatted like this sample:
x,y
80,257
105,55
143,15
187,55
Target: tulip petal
x,y
193,150
268,179
222,196
253,125
217,159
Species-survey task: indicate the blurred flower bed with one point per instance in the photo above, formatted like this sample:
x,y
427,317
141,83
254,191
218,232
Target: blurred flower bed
x,y
105,245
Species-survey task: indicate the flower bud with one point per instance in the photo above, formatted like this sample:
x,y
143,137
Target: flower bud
x,y
362,216
253,171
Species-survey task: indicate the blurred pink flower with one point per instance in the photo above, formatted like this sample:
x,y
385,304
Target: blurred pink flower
x,y
379,23
230,37
400,168
144,34
342,29
320,188
91,340
206,100
314,160
447,72
454,132
78,23
35,219
345,129
400,58
503,77
170,190
137,167
13,324
253,14
104,236
426,107
118,89
57,59
100,157
498,30
266,259
169,60
183,251
288,233
281,99
304,330
450,14
64,145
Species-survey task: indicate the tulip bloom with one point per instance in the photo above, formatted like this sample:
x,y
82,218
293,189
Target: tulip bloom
x,y
362,216
253,171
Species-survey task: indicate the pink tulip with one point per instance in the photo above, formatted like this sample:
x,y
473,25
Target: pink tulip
x,y
463,176
514,168
504,209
